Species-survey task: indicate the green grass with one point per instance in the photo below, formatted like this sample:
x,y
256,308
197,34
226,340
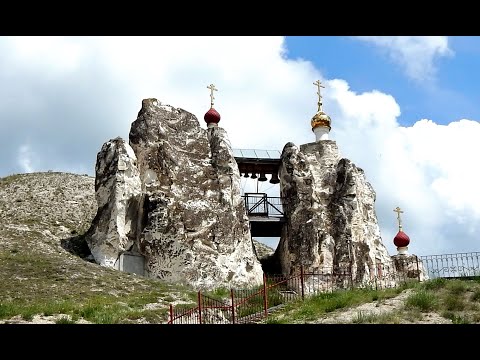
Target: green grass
x,y
454,302
64,320
455,318
455,299
59,283
423,300
7,310
434,284
476,295
457,286
317,305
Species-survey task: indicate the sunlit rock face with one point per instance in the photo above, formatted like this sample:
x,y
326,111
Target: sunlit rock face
x,y
331,221
118,195
185,212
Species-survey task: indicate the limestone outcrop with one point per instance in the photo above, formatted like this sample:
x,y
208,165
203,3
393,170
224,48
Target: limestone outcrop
x,y
118,195
331,222
172,196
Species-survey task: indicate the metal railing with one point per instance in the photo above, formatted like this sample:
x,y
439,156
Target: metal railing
x,y
259,204
207,311
253,305
452,265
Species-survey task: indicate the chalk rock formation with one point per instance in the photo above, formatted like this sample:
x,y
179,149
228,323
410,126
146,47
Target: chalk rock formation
x,y
184,211
118,195
331,220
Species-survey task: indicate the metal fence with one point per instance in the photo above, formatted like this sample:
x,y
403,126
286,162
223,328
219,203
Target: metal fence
x,y
452,265
253,305
207,311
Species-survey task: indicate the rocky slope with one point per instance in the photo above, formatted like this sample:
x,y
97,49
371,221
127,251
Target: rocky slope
x,y
45,208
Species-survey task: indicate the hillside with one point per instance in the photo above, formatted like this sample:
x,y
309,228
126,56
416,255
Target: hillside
x,y
43,258
40,214
46,275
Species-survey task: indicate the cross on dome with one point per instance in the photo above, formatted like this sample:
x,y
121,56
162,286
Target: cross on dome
x,y
399,211
321,122
319,85
212,89
211,117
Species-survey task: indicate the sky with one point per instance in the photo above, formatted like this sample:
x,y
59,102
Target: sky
x,y
403,108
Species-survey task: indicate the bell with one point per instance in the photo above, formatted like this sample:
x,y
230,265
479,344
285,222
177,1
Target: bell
x,y
274,179
262,177
246,175
254,176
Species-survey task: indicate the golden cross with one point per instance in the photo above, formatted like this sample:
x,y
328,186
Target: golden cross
x,y
319,85
398,211
212,88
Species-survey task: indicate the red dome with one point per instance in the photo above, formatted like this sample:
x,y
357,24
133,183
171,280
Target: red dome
x,y
401,239
212,116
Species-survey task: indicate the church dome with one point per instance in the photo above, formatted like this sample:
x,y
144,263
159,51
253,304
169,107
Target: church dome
x,y
212,116
401,239
321,119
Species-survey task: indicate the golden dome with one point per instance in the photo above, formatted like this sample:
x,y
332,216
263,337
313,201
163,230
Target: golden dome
x,y
321,119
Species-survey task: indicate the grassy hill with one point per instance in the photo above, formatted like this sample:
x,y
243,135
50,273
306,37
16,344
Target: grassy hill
x,y
40,214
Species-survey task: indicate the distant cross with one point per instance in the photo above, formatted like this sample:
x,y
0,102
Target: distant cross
x,y
398,211
319,85
212,89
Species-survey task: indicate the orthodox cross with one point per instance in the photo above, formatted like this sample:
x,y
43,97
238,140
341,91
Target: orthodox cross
x,y
319,85
212,88
398,211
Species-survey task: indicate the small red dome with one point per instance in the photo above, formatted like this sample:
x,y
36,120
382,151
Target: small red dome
x,y
212,116
401,239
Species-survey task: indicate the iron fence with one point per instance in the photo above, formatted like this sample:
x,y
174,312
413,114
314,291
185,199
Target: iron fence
x,y
452,265
252,305
249,305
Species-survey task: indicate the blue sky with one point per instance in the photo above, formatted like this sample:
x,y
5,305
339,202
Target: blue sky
x,y
453,93
403,108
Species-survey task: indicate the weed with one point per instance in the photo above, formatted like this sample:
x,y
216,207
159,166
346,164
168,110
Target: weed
x,y
454,302
476,295
423,300
457,286
456,319
434,284
64,320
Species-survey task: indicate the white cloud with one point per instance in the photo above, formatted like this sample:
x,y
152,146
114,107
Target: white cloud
x,y
426,169
415,54
82,92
